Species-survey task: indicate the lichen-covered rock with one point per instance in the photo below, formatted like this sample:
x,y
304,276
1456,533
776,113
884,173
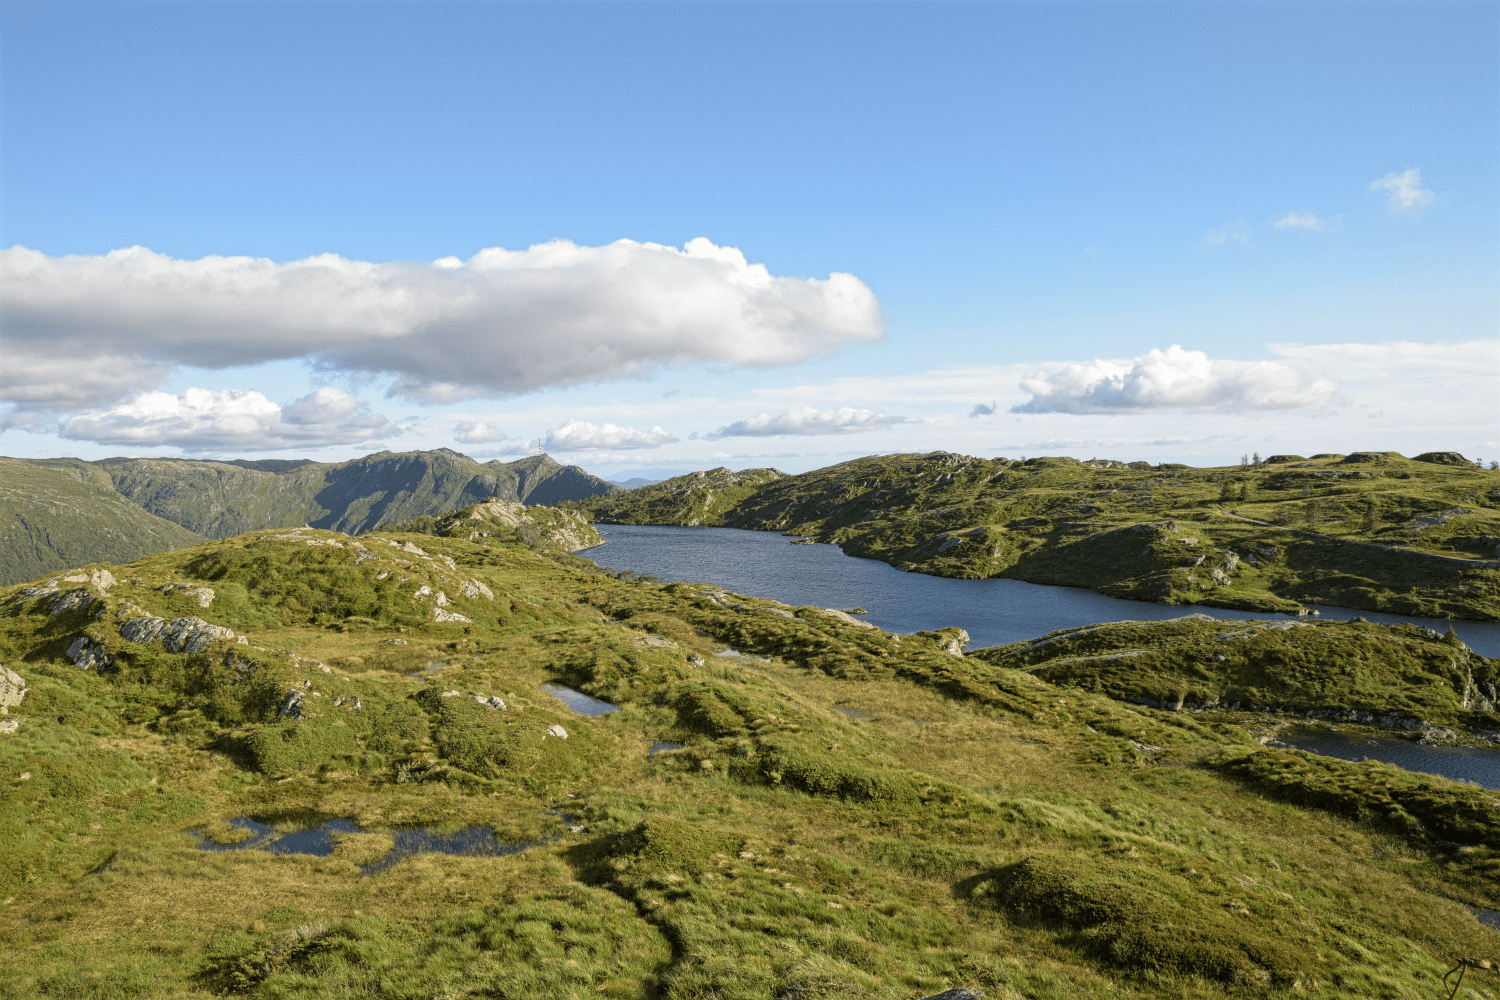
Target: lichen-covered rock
x,y
9,726
72,599
291,705
654,640
951,640
473,588
193,635
181,635
201,594
12,689
146,628
556,730
100,579
846,618
87,654
440,615
490,702
442,600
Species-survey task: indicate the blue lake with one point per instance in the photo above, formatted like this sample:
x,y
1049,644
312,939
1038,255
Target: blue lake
x,y
1474,764
994,612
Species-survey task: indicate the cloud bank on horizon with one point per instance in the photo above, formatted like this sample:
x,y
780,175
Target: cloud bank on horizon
x,y
807,421
85,332
1174,379
231,420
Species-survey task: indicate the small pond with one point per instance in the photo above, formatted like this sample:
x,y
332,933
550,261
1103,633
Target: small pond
x,y
318,836
578,701
1474,764
995,612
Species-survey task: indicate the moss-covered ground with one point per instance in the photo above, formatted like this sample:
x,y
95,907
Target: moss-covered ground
x,y
842,812
1371,530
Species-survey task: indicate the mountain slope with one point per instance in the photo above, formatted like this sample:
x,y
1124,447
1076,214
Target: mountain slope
x,y
66,513
820,810
1370,530
220,499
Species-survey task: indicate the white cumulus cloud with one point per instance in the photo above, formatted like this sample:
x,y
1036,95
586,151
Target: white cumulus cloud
x,y
231,419
1300,220
1404,191
808,421
93,330
476,432
580,435
1174,379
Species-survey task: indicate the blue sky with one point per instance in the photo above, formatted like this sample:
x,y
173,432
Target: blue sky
x,y
1302,196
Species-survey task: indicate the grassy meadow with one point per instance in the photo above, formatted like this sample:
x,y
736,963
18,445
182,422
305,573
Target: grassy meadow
x,y
789,804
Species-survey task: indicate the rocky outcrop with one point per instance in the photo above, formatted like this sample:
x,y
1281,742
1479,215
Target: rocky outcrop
x,y
99,579
79,599
291,705
181,635
12,689
474,588
203,595
556,730
846,618
444,615
1442,458
950,640
87,654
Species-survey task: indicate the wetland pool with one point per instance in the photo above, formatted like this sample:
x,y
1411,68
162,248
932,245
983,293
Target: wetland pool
x,y
319,835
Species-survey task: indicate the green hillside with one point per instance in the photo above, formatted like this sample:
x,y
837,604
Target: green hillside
x,y
55,517
220,499
791,802
1371,530
62,512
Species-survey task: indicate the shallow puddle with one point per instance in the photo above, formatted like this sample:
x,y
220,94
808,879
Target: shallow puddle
x,y
578,701
731,651
658,746
853,713
318,836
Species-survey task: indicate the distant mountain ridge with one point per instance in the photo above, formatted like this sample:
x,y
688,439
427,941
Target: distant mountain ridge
x,y
119,509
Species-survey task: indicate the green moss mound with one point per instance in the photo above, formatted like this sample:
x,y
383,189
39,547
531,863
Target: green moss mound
x,y
287,747
1149,919
1413,805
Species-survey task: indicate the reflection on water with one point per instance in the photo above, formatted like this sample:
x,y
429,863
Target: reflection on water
x,y
476,841
578,701
318,836
658,746
309,834
995,612
1460,763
